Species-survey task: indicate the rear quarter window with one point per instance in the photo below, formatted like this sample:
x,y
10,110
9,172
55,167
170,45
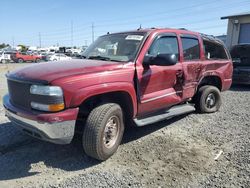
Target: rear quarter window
x,y
214,50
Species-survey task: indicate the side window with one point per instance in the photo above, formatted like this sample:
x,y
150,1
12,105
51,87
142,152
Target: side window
x,y
214,50
191,49
164,45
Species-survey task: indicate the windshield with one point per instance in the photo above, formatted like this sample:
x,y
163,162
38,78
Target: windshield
x,y
121,47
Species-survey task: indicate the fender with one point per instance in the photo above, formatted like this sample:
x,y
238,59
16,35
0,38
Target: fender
x,y
83,94
210,73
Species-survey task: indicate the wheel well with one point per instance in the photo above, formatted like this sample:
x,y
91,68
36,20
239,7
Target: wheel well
x,y
211,80
119,97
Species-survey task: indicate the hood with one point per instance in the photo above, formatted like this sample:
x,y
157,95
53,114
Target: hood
x,y
50,71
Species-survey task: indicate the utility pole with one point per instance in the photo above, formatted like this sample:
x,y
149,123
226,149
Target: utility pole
x,y
13,42
93,33
71,34
40,40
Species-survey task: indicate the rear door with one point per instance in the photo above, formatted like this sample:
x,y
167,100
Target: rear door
x,y
25,56
191,60
159,86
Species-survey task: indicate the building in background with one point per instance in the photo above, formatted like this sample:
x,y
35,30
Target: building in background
x,y
238,29
223,38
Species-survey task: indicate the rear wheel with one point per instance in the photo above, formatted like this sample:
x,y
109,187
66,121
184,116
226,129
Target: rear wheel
x,y
103,131
37,60
208,99
20,60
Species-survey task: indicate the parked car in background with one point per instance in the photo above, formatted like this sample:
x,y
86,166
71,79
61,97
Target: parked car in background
x,y
5,57
21,57
44,56
59,57
241,63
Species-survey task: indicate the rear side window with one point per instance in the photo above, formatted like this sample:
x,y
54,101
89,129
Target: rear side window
x,y
214,50
191,49
164,45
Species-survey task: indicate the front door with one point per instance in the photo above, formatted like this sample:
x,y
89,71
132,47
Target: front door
x,y
159,87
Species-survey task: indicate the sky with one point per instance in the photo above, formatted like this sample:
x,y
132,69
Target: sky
x,y
71,22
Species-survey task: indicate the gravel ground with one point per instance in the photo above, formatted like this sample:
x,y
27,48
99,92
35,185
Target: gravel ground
x,y
176,153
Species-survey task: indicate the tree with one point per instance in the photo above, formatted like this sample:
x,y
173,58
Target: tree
x,y
3,45
23,48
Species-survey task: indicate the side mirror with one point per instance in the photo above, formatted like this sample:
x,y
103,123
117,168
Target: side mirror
x,y
160,60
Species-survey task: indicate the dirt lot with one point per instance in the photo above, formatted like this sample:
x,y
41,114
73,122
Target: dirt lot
x,y
175,153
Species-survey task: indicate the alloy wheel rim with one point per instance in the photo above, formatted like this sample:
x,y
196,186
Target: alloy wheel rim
x,y
210,100
111,131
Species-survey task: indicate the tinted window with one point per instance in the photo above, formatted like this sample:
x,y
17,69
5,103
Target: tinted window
x,y
191,48
214,50
242,53
164,45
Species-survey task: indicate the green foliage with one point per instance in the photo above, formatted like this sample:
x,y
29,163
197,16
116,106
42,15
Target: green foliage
x,y
23,48
3,45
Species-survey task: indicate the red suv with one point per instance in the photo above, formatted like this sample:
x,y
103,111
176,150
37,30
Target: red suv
x,y
128,78
21,57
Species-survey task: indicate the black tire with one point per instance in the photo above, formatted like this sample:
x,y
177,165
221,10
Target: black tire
x,y
37,60
208,99
3,61
20,60
98,141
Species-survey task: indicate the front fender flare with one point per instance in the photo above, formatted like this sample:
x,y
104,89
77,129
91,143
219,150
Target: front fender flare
x,y
84,93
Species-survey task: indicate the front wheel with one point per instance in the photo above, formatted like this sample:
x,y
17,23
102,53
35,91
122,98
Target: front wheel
x,y
3,61
103,131
208,99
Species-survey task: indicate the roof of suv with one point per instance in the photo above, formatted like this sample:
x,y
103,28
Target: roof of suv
x,y
149,30
181,30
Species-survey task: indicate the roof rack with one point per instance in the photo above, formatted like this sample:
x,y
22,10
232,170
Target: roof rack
x,y
182,28
211,37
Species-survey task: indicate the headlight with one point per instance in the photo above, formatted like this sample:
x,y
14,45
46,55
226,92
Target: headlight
x,y
46,90
47,98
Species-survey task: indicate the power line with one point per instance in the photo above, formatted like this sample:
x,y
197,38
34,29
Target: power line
x,y
77,33
165,12
173,17
13,42
93,33
152,20
40,40
71,33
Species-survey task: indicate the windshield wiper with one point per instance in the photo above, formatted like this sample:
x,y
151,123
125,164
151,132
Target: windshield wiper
x,y
99,58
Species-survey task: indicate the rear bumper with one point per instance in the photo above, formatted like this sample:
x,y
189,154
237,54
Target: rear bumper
x,y
57,128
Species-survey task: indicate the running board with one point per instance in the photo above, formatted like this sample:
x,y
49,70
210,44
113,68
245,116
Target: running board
x,y
170,113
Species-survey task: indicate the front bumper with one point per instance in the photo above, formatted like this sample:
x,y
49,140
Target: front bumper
x,y
57,127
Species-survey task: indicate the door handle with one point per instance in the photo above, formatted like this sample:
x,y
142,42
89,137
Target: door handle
x,y
179,73
198,70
